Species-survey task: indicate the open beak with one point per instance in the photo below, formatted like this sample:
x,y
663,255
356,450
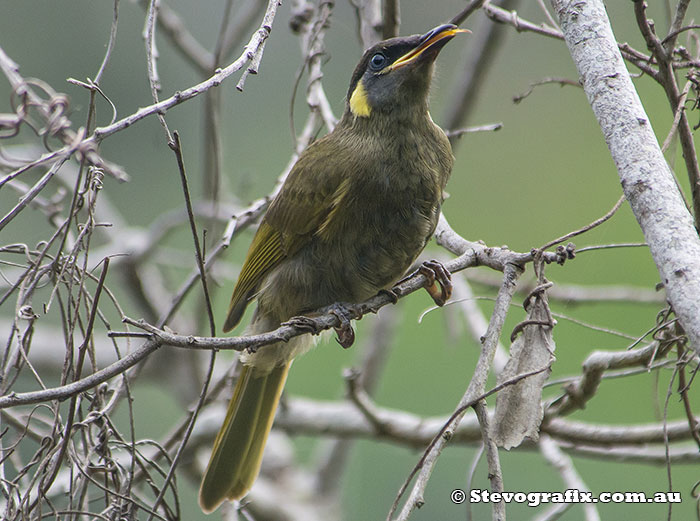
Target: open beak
x,y
434,39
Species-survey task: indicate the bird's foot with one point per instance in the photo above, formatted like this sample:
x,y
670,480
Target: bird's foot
x,y
345,332
306,324
393,296
437,275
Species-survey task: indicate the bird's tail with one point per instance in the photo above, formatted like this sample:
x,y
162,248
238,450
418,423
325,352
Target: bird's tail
x,y
238,448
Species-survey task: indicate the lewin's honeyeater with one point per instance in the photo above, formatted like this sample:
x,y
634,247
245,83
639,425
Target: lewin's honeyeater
x,y
355,212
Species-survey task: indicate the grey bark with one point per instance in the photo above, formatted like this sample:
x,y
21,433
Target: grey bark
x,y
645,176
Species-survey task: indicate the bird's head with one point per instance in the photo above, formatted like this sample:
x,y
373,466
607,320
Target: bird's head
x,y
396,73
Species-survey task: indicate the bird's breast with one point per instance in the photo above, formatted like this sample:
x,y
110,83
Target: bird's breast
x,y
377,222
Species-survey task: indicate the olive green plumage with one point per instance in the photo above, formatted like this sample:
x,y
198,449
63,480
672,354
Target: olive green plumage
x,y
357,209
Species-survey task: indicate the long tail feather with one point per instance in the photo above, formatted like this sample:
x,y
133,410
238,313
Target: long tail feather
x,y
238,448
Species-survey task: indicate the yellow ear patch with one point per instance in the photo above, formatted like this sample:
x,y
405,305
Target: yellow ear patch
x,y
359,104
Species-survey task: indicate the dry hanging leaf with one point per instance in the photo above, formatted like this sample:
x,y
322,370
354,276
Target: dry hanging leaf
x,y
519,406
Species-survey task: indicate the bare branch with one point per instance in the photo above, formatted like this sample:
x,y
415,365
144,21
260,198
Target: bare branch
x,y
579,392
369,15
459,132
283,333
647,181
668,81
149,35
174,28
251,54
392,19
480,53
498,509
676,25
110,44
469,10
545,81
476,388
586,228
572,479
304,416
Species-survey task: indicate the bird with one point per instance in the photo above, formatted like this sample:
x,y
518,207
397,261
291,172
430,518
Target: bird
x,y
350,220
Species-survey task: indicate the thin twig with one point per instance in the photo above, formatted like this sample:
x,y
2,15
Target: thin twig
x,y
545,81
465,13
189,47
48,479
459,132
668,81
176,147
495,474
252,49
110,43
683,391
255,53
586,228
479,57
676,26
572,479
151,60
188,430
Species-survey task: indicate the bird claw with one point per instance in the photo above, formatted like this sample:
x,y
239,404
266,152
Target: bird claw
x,y
436,274
306,324
345,332
393,296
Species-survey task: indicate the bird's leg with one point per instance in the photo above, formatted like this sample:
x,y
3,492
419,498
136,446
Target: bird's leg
x,y
306,324
437,274
345,332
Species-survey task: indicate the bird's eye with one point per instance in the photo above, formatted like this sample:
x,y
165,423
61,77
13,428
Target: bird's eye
x,y
377,62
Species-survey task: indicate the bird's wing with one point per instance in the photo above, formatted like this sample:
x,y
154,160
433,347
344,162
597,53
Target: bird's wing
x,y
311,192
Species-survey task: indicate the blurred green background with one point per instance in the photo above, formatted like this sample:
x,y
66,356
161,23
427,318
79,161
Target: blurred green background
x,y
545,173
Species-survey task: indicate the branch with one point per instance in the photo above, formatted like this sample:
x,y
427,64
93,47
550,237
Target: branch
x,y
470,254
334,455
495,474
189,47
572,479
474,319
646,178
476,388
500,15
479,58
251,54
667,79
584,388
149,36
676,25
303,416
497,14
66,391
586,228
574,293
369,15
282,334
577,432
392,18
